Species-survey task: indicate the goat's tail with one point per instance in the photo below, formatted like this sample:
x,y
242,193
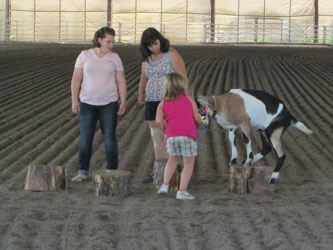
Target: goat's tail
x,y
301,126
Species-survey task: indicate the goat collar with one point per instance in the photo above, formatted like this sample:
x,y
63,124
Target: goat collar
x,y
214,98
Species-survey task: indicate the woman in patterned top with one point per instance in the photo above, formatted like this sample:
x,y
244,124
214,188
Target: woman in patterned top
x,y
158,60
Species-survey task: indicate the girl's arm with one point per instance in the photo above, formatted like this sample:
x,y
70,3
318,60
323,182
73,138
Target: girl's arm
x,y
197,118
178,65
160,117
75,88
122,89
142,84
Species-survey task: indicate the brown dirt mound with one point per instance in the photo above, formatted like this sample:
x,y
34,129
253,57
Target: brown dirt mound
x,y
37,127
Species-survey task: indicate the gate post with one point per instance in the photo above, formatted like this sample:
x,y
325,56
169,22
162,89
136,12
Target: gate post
x,y
324,35
119,31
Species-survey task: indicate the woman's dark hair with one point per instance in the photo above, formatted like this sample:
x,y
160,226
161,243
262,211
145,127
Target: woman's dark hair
x,y
149,36
102,32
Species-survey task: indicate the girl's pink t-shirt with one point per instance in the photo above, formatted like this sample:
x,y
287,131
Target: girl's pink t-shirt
x,y
178,114
99,85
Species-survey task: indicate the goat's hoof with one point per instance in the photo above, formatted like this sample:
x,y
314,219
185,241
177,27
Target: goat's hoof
x,y
247,163
272,181
233,161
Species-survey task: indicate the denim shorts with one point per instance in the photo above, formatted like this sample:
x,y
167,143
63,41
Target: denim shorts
x,y
181,146
150,110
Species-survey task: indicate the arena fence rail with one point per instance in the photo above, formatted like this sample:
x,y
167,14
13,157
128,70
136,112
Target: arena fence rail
x,y
255,30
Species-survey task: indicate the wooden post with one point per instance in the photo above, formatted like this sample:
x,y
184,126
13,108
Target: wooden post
x,y
7,21
212,23
159,166
260,178
256,30
108,14
46,178
238,179
316,22
112,183
324,35
251,179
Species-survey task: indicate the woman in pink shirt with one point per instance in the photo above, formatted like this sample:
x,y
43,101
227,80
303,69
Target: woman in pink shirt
x,y
177,116
98,83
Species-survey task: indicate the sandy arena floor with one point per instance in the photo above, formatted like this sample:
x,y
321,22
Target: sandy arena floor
x,y
38,127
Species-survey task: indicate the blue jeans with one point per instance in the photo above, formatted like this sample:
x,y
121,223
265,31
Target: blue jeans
x,y
107,116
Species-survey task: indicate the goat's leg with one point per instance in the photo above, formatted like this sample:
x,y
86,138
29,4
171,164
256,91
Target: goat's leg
x,y
276,142
247,140
266,146
232,139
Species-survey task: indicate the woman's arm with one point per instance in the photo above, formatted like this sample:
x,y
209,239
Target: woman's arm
x,y
75,88
122,89
178,65
143,82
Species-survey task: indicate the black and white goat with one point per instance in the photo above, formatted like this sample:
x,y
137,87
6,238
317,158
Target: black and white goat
x,y
240,108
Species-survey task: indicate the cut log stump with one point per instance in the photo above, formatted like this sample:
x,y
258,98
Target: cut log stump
x,y
112,183
159,166
250,179
46,178
239,176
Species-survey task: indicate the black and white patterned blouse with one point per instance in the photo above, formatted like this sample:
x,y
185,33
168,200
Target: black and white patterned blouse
x,y
156,73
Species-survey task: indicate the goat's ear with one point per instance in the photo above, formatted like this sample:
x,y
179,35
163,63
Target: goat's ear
x,y
201,100
198,98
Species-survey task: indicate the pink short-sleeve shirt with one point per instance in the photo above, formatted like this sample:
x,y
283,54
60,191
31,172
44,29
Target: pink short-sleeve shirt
x,y
99,85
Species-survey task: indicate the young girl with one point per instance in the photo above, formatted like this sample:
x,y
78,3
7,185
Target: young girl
x,y
181,116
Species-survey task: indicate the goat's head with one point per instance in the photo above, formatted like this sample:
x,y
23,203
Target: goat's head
x,y
208,102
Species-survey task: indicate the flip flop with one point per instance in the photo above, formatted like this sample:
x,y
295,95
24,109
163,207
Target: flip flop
x,y
148,179
79,178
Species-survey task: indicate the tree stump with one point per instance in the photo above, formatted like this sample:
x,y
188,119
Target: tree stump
x,y
238,179
112,183
46,178
159,167
250,179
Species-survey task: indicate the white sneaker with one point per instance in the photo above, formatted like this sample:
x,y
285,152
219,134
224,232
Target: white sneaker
x,y
184,195
163,189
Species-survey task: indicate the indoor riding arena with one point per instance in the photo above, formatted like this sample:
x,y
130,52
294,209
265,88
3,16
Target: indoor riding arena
x,y
282,47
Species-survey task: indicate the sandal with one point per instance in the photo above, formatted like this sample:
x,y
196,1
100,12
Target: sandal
x,y
79,178
148,179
